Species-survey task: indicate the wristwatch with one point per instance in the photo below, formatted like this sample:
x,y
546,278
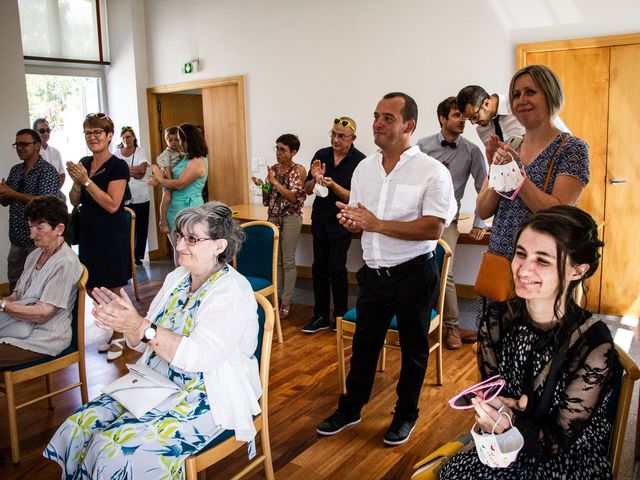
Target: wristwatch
x,y
87,183
149,333
3,304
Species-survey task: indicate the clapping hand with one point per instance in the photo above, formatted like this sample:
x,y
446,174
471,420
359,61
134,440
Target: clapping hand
x,y
115,312
317,171
77,172
357,218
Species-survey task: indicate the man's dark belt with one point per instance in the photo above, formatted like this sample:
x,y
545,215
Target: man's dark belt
x,y
403,267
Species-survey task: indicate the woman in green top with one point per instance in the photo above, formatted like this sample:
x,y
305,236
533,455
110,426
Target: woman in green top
x,y
188,176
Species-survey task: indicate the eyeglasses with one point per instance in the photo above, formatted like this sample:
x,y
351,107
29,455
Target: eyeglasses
x,y
126,129
93,133
21,144
44,130
280,149
339,136
188,239
474,118
344,122
487,391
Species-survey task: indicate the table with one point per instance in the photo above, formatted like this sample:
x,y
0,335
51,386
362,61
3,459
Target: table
x,y
253,211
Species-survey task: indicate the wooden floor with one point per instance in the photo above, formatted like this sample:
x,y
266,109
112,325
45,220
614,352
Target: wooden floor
x,y
303,391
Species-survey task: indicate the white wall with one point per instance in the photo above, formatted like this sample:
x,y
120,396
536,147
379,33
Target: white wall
x,y
306,62
14,108
126,78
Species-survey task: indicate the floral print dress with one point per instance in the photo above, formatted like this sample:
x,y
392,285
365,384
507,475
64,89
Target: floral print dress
x,y
102,440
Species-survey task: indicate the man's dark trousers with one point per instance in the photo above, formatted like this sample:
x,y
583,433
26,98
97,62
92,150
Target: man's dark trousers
x,y
409,291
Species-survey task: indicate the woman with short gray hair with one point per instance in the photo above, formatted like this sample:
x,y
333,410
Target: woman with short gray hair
x,y
201,333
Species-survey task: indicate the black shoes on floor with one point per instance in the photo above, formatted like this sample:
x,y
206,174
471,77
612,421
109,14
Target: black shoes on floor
x,y
317,323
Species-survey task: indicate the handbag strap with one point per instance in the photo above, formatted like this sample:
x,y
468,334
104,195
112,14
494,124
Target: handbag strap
x,y
580,329
551,162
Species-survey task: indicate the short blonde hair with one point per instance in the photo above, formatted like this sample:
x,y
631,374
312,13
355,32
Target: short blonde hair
x,y
547,81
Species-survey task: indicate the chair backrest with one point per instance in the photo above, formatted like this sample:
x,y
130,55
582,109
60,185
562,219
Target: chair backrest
x,y
77,315
626,375
258,256
266,320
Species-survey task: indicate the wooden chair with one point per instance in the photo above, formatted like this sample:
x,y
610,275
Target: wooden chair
x,y
627,373
225,444
132,243
46,367
258,262
346,325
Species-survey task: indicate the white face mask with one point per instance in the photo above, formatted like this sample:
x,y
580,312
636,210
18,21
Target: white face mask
x,y
507,177
498,451
320,190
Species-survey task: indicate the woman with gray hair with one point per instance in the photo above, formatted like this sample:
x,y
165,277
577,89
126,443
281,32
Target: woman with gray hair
x,y
200,333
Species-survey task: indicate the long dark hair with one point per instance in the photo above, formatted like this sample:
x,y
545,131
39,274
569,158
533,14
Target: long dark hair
x,y
196,144
576,236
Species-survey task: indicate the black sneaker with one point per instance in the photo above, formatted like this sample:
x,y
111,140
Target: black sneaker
x,y
336,422
317,323
399,431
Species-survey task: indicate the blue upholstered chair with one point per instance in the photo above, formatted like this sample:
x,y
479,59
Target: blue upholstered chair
x,y
225,444
346,325
74,353
258,262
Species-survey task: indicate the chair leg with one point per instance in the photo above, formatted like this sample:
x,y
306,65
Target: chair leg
x,y
49,381
382,359
341,361
276,309
439,364
266,450
11,415
82,375
134,276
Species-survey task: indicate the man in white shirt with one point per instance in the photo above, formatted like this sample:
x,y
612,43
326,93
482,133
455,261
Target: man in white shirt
x,y
401,200
47,152
492,114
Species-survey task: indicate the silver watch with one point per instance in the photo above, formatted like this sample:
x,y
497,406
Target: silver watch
x,y
3,304
149,333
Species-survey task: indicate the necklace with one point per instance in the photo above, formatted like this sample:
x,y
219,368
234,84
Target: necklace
x,y
40,263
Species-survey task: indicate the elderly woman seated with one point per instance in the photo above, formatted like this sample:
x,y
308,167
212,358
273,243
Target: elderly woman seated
x,y
35,320
201,333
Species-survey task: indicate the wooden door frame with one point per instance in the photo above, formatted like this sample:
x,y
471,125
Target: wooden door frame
x,y
156,137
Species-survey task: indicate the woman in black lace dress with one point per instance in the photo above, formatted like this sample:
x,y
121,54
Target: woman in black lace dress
x,y
562,414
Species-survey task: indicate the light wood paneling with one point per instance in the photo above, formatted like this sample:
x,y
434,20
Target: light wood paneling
x,y
224,124
585,112
620,275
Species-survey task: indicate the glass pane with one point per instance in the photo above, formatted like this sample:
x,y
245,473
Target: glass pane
x,y
59,29
64,101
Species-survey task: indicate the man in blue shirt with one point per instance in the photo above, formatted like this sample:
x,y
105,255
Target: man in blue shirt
x,y
32,178
330,178
462,158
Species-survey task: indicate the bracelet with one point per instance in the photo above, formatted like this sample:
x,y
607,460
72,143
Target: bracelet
x,y
87,183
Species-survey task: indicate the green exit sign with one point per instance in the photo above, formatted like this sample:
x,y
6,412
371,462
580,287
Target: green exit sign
x,y
187,68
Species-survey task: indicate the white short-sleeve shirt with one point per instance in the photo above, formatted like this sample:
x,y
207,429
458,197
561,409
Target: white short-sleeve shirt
x,y
418,186
139,187
52,155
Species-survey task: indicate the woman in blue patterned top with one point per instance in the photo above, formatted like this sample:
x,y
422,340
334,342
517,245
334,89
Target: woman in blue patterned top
x,y
536,99
201,333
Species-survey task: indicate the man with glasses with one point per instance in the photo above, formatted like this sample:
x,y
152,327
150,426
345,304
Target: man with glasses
x,y
47,152
329,178
27,181
492,114
463,159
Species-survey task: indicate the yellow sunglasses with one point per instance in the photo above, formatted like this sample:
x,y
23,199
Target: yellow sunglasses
x,y
344,122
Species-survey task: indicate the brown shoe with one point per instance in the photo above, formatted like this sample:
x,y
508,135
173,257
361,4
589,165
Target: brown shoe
x,y
452,338
285,309
469,336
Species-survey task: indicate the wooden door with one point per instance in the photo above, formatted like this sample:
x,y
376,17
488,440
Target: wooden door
x,y
620,274
224,125
584,74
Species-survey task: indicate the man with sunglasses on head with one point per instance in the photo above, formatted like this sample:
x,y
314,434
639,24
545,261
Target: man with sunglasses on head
x,y
329,178
492,114
31,179
401,200
463,159
49,153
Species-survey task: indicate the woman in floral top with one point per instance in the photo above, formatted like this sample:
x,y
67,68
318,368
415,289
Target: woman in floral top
x,y
284,194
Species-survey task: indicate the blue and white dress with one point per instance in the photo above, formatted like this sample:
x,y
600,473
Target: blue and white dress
x,y
102,440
